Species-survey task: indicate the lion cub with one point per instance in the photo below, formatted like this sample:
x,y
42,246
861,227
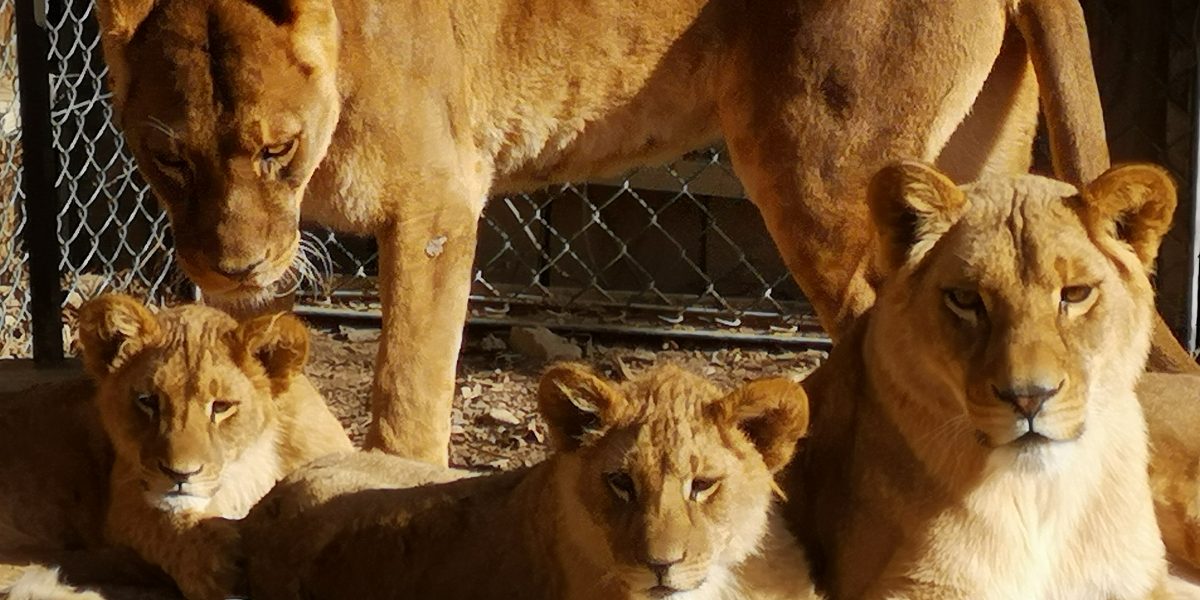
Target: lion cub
x,y
659,487
978,435
204,416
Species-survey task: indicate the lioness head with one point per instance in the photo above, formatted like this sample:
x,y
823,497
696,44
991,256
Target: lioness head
x,y
187,392
669,481
1020,304
228,106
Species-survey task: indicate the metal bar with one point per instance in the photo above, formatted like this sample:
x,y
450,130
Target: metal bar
x,y
807,341
39,167
1190,300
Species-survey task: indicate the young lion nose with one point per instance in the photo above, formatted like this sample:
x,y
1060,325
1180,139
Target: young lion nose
x,y
1027,400
660,567
179,474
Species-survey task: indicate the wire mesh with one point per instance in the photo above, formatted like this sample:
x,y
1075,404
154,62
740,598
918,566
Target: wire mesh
x,y
675,246
14,272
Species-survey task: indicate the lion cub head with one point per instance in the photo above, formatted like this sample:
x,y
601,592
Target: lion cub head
x,y
186,394
228,106
1025,302
668,481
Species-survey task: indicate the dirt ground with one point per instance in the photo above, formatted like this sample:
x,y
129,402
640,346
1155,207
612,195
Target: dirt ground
x,y
495,421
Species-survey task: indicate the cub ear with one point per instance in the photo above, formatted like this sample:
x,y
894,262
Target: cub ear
x,y
912,205
278,342
772,413
120,19
281,12
112,328
1133,203
577,404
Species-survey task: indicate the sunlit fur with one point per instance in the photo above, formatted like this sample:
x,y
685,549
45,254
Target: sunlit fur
x,y
158,377
559,529
406,116
921,486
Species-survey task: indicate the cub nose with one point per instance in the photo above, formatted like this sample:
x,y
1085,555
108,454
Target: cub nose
x,y
660,566
1027,400
179,474
234,269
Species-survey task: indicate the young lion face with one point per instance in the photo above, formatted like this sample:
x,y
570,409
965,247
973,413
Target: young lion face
x,y
670,480
186,393
228,106
1024,299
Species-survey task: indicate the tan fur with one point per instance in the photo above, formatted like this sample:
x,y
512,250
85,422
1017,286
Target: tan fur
x,y
1172,407
407,115
918,480
161,381
587,523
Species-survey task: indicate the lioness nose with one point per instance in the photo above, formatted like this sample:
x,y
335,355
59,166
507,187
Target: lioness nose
x,y
238,270
179,474
1027,400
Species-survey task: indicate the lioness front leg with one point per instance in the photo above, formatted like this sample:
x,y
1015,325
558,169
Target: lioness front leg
x,y
425,261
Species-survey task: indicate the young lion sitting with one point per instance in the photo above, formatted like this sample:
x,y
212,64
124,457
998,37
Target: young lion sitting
x,y
659,486
204,416
978,436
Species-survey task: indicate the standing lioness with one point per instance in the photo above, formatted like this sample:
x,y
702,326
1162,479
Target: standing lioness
x,y
978,436
397,119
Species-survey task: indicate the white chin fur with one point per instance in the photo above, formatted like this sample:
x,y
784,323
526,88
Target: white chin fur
x,y
178,502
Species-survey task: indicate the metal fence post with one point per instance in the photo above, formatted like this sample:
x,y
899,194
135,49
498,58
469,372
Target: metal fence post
x,y
38,181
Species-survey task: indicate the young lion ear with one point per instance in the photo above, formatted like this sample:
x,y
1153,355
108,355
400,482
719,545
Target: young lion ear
x,y
278,342
112,328
577,404
120,19
912,205
1133,203
773,413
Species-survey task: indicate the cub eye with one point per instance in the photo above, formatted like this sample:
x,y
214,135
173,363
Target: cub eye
x,y
278,151
148,403
1074,294
220,407
621,484
702,488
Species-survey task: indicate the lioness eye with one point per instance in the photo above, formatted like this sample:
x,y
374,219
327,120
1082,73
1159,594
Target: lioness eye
x,y
964,299
275,151
220,407
148,403
700,486
171,162
621,484
1074,294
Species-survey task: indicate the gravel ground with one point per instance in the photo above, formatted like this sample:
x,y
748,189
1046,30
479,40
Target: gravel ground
x,y
495,421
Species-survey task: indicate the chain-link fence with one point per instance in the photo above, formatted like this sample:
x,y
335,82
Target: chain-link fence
x,y
670,248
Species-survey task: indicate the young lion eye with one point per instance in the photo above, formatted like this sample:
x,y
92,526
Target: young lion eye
x,y
701,488
220,407
621,484
1074,294
148,403
965,299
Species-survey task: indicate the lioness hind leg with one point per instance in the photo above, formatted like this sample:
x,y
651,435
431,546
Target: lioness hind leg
x,y
805,135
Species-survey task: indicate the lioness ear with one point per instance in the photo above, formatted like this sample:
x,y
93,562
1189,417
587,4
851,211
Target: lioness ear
x,y
773,413
112,328
1133,203
278,342
912,205
577,404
